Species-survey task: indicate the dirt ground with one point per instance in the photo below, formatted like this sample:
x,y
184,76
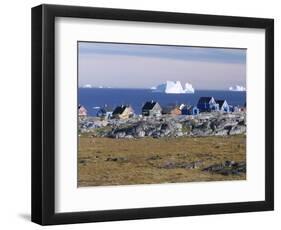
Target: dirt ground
x,y
106,161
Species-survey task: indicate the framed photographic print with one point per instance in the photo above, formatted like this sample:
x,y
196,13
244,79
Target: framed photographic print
x,y
142,114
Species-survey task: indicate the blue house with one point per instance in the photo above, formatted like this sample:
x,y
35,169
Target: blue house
x,y
207,104
105,112
189,110
223,106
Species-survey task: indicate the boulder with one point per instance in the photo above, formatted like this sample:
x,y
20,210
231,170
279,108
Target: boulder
x,y
141,133
222,132
129,137
227,168
237,130
120,134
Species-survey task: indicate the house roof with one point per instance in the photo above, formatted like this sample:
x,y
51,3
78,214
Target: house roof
x,y
188,107
120,109
220,102
81,107
149,105
203,100
106,109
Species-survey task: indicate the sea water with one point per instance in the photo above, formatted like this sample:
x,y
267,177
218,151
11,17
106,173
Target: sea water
x,y
93,98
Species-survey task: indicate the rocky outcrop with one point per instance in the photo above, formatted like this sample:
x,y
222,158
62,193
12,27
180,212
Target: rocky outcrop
x,y
183,165
227,168
205,124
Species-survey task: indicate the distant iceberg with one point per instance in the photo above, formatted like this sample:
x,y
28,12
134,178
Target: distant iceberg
x,y
188,88
237,88
96,87
173,87
87,86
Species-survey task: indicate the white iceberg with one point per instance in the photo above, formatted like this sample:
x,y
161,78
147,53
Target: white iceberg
x,y
237,88
173,87
87,86
188,88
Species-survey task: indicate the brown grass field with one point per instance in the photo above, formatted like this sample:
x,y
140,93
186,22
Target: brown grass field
x,y
106,161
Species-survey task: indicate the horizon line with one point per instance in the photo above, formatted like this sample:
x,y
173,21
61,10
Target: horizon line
x,y
133,88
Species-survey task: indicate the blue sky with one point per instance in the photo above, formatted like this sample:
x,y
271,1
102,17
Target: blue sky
x,y
144,66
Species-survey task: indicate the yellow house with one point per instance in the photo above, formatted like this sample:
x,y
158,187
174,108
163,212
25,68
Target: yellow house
x,y
123,112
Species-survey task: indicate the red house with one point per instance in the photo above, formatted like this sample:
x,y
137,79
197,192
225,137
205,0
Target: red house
x,y
82,111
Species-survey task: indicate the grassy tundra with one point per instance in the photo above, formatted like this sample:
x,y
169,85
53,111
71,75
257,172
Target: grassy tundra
x,y
107,161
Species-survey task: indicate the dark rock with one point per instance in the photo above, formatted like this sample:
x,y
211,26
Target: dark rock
x,y
156,157
227,168
184,165
117,159
237,130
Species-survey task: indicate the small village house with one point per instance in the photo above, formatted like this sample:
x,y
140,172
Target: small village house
x,y
207,104
232,108
189,110
245,107
123,112
105,112
223,106
235,108
172,110
151,108
82,111
242,108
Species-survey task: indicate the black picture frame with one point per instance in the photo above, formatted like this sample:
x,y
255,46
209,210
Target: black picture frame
x,y
43,114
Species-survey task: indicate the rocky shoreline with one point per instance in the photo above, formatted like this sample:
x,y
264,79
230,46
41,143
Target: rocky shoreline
x,y
204,124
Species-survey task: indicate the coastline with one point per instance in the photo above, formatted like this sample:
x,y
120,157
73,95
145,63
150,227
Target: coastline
x,y
112,97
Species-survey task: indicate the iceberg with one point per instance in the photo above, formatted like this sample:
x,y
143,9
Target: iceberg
x,y
237,88
87,86
173,87
188,88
